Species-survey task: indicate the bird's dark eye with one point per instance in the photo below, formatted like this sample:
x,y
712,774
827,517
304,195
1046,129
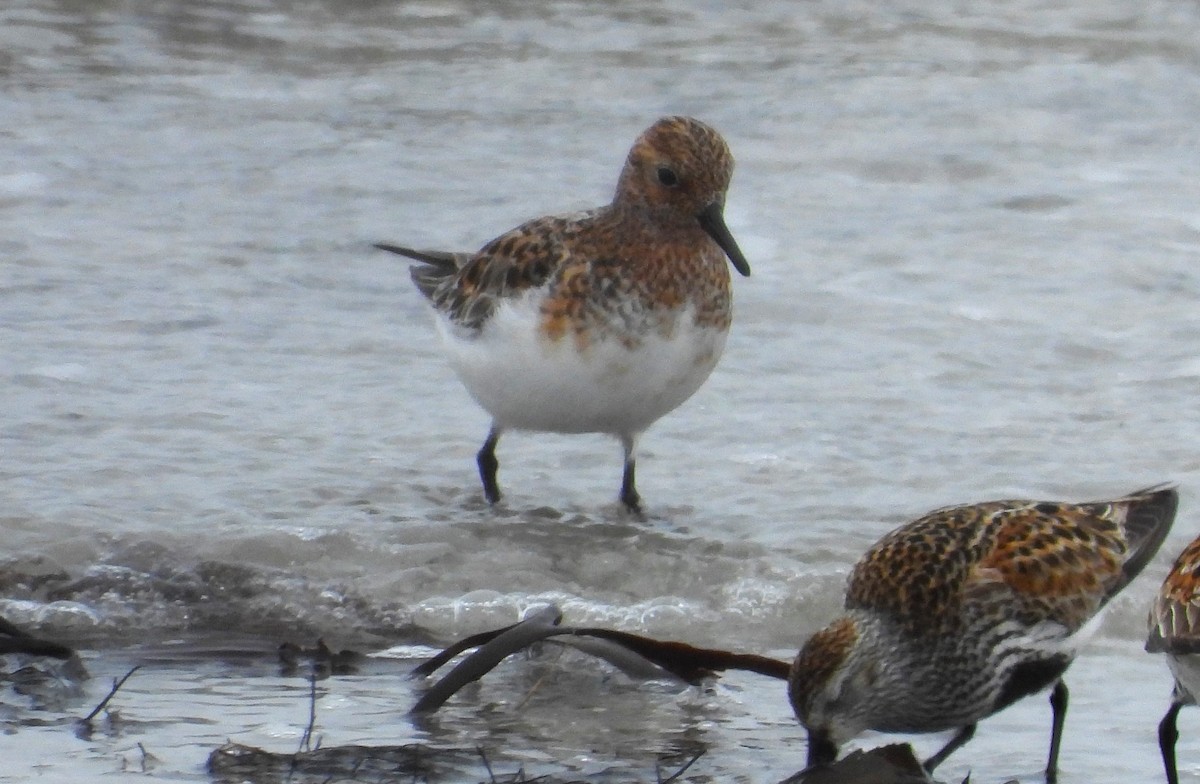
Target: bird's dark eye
x,y
667,177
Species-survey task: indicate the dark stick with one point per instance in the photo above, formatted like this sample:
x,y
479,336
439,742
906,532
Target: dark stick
x,y
632,653
306,738
486,765
112,693
674,776
13,639
688,661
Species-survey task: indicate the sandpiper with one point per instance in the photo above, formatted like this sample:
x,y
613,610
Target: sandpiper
x,y
600,321
958,614
1175,631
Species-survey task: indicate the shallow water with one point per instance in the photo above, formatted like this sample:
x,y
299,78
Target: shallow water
x,y
973,237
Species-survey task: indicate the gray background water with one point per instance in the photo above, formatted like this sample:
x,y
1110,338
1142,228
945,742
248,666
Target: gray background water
x,y
973,230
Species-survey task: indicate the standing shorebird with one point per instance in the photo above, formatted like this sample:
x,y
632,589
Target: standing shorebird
x,y
600,321
962,612
1175,631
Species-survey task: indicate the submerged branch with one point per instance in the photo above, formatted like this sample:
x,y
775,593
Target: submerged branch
x,y
633,654
117,684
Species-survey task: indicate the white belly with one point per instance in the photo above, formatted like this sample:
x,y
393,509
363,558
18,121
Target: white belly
x,y
528,382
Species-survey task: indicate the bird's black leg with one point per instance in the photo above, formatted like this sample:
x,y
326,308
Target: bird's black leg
x,y
963,735
629,493
1167,735
488,464
1058,704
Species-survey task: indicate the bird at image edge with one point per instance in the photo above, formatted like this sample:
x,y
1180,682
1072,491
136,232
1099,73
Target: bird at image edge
x,y
600,321
1175,631
958,614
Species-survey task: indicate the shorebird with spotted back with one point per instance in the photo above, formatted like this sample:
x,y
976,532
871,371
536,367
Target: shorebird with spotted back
x,y
962,612
1175,631
600,321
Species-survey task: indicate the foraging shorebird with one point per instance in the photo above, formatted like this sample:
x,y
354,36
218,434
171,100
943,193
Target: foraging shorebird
x,y
1175,631
962,612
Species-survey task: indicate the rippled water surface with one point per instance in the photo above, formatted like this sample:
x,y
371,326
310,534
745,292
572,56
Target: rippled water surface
x,y
974,235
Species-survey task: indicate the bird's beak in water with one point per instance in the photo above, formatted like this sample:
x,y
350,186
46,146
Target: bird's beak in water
x,y
821,749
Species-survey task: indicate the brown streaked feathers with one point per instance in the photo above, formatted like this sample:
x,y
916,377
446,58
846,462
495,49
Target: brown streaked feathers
x,y
1054,561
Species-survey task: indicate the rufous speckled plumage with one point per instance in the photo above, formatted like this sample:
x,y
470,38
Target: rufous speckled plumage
x,y
600,321
1175,631
967,609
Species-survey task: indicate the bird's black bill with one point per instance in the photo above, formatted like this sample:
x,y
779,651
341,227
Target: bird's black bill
x,y
427,256
713,221
821,749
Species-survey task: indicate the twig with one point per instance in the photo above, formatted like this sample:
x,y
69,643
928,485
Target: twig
x,y
147,758
486,765
117,684
538,684
306,738
674,776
